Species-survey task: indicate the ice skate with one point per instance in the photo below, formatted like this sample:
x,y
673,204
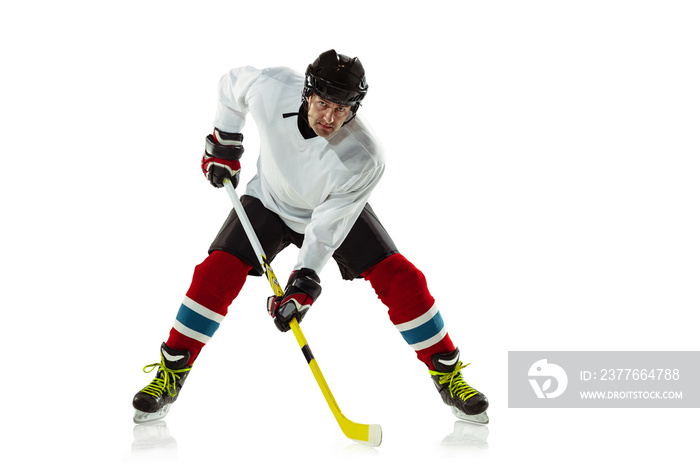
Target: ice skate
x,y
466,402
155,400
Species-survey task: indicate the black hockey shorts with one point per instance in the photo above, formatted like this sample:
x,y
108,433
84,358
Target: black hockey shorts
x,y
367,243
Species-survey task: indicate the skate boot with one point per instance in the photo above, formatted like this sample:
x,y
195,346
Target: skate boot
x,y
154,401
467,403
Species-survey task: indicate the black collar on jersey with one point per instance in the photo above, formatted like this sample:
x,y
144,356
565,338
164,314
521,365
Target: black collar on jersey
x,y
302,122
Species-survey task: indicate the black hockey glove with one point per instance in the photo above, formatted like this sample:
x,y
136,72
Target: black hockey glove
x,y
222,152
303,288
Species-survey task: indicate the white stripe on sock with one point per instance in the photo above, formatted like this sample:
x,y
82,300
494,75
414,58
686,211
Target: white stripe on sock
x,y
418,321
431,341
203,311
188,332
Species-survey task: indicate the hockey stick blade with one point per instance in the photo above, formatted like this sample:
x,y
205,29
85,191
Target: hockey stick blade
x,y
370,434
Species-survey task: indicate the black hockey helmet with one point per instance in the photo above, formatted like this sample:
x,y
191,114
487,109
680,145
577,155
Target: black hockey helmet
x,y
336,78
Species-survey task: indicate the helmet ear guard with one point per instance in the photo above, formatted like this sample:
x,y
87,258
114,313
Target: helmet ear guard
x,y
336,78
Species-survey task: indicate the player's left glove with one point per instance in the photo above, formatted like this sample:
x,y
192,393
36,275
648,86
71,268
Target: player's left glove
x,y
222,152
303,288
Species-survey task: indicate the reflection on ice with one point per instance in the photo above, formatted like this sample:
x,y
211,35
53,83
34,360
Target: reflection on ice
x,y
467,435
153,438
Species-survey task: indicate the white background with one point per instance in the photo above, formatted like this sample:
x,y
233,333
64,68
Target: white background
x,y
543,174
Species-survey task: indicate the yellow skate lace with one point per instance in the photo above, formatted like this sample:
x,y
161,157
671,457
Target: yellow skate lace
x,y
457,386
169,377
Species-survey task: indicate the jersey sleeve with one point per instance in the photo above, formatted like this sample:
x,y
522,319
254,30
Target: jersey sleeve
x,y
235,91
332,220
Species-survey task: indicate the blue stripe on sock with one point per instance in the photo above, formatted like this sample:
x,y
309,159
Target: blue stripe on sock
x,y
424,331
196,322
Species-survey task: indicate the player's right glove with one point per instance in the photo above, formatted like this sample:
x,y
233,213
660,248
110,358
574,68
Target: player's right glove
x,y
222,152
303,288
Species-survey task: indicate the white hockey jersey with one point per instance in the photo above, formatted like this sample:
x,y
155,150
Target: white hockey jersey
x,y
317,186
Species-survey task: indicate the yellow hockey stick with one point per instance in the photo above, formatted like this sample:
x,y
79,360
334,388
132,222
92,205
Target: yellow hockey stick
x,y
370,434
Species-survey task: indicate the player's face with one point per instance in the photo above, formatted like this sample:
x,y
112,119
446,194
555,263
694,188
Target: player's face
x,y
325,117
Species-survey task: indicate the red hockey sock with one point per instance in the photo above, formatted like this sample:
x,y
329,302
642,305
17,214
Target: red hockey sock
x,y
403,289
215,284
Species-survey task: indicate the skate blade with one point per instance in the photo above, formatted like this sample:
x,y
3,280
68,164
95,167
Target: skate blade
x,y
140,417
482,418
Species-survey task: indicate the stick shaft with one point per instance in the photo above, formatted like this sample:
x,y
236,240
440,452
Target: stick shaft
x,y
253,238
360,432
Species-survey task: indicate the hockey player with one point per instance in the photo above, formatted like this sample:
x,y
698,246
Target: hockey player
x,y
317,167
